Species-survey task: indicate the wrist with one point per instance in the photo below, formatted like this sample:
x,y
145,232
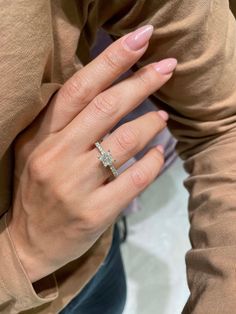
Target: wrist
x,y
29,259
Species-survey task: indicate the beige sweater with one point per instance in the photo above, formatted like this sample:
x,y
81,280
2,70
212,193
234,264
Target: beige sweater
x,y
44,42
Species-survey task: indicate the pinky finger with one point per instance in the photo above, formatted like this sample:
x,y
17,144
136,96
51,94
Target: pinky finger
x,y
118,193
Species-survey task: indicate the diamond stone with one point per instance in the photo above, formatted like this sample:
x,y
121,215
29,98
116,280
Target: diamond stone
x,y
106,159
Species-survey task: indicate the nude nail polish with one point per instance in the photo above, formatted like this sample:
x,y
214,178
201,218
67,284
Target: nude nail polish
x,y
166,66
163,114
160,148
139,38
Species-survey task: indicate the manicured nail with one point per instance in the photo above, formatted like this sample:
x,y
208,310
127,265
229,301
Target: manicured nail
x,y
166,66
163,114
160,148
139,38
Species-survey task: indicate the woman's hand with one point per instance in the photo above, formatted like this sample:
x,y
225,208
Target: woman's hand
x,y
63,196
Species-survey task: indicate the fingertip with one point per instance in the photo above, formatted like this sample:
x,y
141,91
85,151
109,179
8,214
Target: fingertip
x,y
160,148
164,115
139,38
166,66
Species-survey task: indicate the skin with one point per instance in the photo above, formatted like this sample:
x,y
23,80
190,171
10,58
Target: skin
x,y
64,198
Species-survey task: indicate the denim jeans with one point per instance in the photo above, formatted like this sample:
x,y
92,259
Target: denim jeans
x,y
106,291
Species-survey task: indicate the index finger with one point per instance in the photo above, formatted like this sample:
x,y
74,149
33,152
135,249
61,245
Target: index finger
x,y
95,77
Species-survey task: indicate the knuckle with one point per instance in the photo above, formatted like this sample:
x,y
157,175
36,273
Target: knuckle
x,y
127,138
111,60
91,224
76,87
60,193
140,177
158,158
37,169
104,105
143,76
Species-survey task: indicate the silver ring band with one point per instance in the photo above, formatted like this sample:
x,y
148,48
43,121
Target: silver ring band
x,y
106,159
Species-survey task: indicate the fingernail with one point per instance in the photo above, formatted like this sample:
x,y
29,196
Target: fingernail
x,y
160,148
139,38
166,66
163,114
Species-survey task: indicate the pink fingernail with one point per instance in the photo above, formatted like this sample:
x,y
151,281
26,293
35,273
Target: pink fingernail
x,y
163,114
139,38
160,149
166,66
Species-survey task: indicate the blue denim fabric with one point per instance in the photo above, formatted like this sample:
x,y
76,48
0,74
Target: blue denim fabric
x,y
106,291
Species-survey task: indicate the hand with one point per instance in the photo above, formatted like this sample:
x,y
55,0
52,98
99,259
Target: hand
x,y
64,198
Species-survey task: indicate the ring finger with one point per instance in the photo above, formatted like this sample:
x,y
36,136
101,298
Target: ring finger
x,y
124,143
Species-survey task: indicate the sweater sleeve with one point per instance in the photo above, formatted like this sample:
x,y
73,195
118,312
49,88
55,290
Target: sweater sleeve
x,y
25,88
201,101
17,293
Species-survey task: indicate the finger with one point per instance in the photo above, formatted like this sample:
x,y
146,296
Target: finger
x,y
88,82
117,194
110,106
124,143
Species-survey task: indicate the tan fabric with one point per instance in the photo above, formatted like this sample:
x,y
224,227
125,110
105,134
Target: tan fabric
x,y
44,42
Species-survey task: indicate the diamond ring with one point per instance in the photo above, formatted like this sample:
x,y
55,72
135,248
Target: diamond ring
x,y
106,159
